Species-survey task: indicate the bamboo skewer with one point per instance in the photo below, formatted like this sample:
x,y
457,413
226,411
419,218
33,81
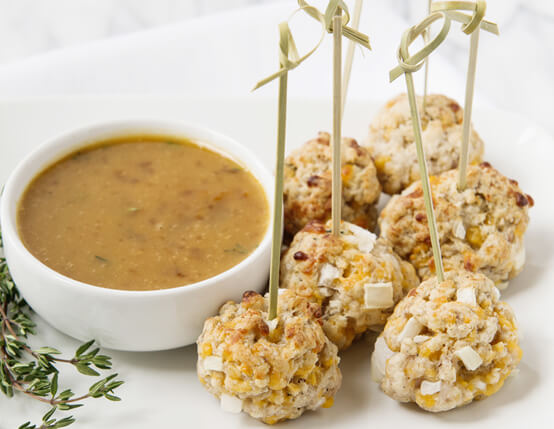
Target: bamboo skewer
x,y
288,60
278,197
427,195
471,25
336,195
468,104
408,65
447,10
349,59
426,73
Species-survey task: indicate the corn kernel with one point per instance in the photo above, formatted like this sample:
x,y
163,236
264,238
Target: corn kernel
x,y
304,371
475,237
328,363
328,402
206,350
242,387
493,388
246,370
431,373
498,348
381,161
294,388
313,377
271,420
347,173
276,382
427,401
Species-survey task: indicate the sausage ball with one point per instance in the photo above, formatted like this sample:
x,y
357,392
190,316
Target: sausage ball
x,y
447,343
307,184
356,278
480,229
271,369
391,140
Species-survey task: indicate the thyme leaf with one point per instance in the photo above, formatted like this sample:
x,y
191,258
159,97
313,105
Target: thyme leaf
x,y
34,373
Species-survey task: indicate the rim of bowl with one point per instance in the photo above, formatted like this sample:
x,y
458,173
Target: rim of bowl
x,y
141,125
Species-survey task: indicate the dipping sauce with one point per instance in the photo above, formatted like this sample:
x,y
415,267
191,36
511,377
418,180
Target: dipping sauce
x,y
143,213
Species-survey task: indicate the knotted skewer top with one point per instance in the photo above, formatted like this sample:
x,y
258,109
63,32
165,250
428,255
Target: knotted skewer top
x,y
407,65
470,22
289,58
288,53
411,63
471,25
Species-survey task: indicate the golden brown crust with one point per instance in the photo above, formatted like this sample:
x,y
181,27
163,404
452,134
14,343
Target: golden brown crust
x,y
449,321
277,369
480,229
391,140
345,313
307,185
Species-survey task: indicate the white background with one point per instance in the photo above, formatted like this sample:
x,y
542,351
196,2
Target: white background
x,y
514,71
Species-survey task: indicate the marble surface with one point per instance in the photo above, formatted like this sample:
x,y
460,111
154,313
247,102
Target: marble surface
x,y
189,47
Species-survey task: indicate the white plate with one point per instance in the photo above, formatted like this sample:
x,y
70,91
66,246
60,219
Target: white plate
x,y
161,389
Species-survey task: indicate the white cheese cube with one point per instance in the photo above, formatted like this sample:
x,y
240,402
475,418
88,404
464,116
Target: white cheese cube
x,y
418,339
381,354
213,363
471,359
466,295
334,306
230,404
479,384
430,388
364,239
327,274
411,329
378,295
459,231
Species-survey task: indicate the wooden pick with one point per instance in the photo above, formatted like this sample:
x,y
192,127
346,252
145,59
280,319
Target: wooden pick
x,y
336,23
336,198
426,73
408,65
279,169
288,60
349,59
472,24
468,104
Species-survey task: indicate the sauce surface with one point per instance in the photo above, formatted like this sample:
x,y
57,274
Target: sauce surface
x,y
143,213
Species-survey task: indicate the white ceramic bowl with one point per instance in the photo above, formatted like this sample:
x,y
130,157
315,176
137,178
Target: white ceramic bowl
x,y
127,320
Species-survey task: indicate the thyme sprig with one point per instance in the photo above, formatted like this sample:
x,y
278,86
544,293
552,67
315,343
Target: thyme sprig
x,y
33,372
